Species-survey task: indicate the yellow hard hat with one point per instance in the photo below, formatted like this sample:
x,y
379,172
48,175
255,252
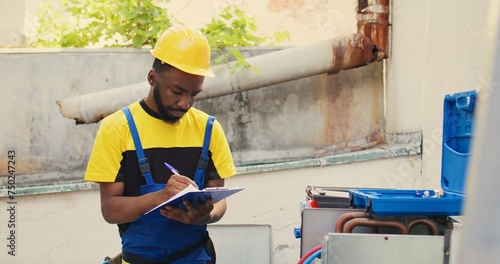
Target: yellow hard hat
x,y
185,48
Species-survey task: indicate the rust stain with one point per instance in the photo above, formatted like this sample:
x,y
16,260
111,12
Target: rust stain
x,y
373,22
280,5
371,41
337,111
299,10
353,119
352,51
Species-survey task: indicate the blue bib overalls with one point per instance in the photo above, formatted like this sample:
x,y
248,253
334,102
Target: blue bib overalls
x,y
149,238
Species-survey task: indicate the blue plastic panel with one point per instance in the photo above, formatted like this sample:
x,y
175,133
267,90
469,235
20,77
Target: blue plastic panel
x,y
458,119
406,202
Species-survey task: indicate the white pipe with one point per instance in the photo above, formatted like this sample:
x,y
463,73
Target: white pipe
x,y
277,67
92,107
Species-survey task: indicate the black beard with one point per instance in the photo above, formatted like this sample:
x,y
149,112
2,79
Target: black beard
x,y
163,110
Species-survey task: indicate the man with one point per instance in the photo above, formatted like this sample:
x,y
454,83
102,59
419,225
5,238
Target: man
x,y
166,129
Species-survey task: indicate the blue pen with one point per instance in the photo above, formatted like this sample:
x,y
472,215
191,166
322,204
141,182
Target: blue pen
x,y
172,169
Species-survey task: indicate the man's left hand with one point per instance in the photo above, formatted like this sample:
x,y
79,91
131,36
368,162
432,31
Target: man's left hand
x,y
197,214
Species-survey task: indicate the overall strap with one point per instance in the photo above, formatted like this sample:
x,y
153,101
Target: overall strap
x,y
199,176
143,161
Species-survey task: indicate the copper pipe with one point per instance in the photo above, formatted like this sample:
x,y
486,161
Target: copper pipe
x,y
351,224
431,224
339,225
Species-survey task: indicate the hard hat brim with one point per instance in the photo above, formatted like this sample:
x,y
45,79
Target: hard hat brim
x,y
187,68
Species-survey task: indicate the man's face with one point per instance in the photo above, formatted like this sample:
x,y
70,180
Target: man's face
x,y
174,92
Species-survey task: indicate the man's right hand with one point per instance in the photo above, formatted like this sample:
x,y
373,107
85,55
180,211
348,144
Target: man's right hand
x,y
177,183
117,208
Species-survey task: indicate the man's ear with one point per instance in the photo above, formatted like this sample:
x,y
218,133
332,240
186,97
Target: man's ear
x,y
152,77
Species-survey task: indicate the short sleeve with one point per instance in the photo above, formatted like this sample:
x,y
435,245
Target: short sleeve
x,y
106,155
221,154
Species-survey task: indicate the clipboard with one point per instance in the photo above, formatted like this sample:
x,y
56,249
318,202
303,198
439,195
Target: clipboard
x,y
195,196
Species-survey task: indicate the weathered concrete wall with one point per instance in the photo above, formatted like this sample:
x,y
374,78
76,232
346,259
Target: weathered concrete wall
x,y
47,145
305,118
309,117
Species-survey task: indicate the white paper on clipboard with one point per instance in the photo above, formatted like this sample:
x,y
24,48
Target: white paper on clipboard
x,y
195,196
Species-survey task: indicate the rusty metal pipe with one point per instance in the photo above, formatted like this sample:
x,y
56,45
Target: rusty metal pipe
x,y
433,227
351,224
329,56
373,22
339,225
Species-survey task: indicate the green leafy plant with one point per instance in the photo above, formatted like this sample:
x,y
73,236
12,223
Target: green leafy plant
x,y
82,23
234,28
138,24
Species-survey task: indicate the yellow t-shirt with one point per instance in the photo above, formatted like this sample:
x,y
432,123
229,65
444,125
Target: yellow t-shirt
x,y
113,158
